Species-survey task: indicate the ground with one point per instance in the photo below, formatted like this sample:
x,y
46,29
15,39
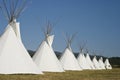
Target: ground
x,y
113,74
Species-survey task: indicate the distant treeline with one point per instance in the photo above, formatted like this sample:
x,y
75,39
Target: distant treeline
x,y
114,61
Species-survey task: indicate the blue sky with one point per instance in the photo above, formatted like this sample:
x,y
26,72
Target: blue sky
x,y
97,22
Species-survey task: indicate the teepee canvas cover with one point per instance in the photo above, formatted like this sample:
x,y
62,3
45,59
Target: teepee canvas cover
x,y
14,59
45,57
68,60
95,63
107,64
83,62
89,61
81,58
102,65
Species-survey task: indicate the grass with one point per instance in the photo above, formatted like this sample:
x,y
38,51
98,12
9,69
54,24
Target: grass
x,y
113,74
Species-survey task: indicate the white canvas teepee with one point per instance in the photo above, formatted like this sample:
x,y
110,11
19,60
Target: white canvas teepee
x,y
89,61
16,27
14,58
68,60
102,65
45,57
107,64
95,63
83,62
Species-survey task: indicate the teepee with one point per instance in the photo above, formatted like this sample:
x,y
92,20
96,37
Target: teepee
x,y
45,57
96,63
14,58
100,61
68,60
107,64
82,60
88,59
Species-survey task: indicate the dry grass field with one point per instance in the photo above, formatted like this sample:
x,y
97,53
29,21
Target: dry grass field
x,y
113,74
